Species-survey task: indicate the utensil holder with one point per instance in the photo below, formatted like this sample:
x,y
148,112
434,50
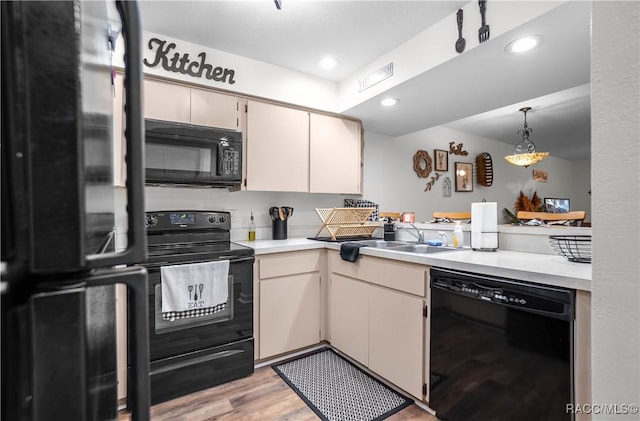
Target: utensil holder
x,y
279,229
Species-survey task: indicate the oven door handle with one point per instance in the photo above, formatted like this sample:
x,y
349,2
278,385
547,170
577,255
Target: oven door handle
x,y
194,361
231,259
234,259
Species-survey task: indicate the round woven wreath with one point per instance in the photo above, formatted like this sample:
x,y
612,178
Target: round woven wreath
x,y
418,158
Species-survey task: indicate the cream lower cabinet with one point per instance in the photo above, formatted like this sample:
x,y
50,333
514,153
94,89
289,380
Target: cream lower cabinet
x,y
582,363
396,338
290,299
349,317
376,316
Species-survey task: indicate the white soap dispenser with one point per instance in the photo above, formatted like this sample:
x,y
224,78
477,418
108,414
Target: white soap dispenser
x,y
457,240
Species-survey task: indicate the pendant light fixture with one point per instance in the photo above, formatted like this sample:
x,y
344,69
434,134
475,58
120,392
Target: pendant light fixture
x,y
524,154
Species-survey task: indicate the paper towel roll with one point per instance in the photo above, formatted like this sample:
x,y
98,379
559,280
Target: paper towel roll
x,y
484,226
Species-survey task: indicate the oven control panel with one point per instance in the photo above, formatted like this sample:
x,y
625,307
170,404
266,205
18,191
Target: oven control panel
x,y
187,220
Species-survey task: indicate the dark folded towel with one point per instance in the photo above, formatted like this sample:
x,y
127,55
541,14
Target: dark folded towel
x,y
350,251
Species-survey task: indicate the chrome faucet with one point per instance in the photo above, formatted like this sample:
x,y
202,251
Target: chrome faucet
x,y
419,236
443,236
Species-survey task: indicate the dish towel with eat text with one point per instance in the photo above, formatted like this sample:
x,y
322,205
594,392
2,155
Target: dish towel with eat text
x,y
193,290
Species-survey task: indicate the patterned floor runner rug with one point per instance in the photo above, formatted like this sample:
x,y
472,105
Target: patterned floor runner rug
x,y
337,390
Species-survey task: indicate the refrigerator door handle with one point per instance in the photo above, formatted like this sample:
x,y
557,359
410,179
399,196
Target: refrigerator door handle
x,y
136,280
136,249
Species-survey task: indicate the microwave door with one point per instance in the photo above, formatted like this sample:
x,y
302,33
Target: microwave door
x,y
171,160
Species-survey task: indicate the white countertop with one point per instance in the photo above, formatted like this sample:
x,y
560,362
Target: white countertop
x,y
532,267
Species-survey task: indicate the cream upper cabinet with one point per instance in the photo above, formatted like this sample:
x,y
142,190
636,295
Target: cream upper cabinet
x,y
335,149
277,148
166,101
214,109
182,104
297,151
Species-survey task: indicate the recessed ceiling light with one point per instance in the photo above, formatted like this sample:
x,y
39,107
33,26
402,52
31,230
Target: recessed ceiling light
x,y
389,102
524,44
328,63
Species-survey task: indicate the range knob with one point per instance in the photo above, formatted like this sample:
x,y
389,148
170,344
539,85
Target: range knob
x,y
212,219
152,220
222,218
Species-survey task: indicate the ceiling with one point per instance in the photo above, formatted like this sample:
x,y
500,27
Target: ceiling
x,y
479,91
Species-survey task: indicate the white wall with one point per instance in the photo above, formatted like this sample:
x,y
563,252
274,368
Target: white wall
x,y
615,148
389,178
252,77
304,223
581,186
420,53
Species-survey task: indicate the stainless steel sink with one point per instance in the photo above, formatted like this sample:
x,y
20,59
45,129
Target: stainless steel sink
x,y
422,248
381,244
406,246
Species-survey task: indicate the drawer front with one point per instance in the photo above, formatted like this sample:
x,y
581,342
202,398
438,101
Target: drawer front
x,y
292,263
407,277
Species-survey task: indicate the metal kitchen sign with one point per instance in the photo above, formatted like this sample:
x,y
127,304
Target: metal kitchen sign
x,y
172,61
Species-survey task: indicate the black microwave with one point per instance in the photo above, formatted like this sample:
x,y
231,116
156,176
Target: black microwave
x,y
187,154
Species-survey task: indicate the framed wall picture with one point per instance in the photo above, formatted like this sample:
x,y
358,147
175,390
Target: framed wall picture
x,y
540,176
464,176
442,159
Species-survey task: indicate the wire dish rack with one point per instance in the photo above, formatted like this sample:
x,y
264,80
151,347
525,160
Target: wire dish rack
x,y
576,248
346,222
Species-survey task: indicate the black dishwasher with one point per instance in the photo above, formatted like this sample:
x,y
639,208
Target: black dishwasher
x,y
501,349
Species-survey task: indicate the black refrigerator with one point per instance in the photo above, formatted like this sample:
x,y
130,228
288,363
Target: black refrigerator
x,y
69,234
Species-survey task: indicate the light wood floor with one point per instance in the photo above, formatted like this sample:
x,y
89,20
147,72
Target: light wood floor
x,y
262,396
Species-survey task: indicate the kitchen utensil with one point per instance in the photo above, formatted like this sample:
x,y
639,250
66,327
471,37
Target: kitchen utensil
x,y
273,213
195,296
201,286
483,32
408,217
281,214
288,211
460,43
190,288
